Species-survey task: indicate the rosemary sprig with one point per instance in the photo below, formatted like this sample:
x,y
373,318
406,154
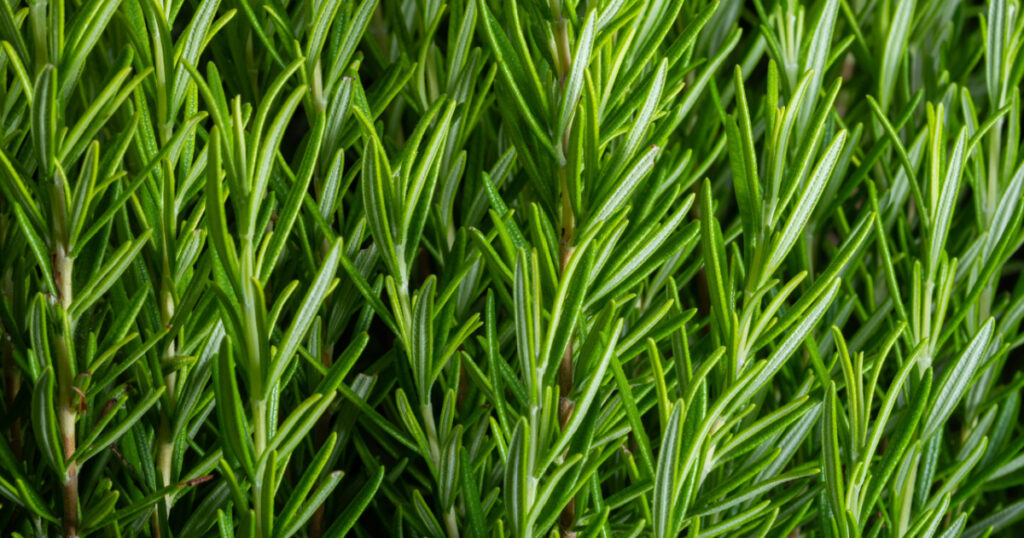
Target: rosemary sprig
x,y
511,268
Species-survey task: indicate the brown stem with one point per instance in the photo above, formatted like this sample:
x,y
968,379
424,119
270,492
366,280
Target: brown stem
x,y
66,418
563,64
63,268
67,408
69,493
567,519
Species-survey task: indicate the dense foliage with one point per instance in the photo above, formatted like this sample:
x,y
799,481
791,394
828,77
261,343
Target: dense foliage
x,y
511,268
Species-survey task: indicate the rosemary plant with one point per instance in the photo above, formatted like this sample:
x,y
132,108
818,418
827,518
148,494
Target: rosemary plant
x,y
511,268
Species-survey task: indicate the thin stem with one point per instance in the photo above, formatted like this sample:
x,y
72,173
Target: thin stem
x,y
451,524
165,443
67,408
434,445
565,368
259,411
63,270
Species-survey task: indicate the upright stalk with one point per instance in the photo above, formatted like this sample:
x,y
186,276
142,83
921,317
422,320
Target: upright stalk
x,y
565,369
165,441
565,249
258,369
63,269
168,239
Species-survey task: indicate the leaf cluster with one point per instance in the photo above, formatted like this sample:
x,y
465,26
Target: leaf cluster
x,y
511,268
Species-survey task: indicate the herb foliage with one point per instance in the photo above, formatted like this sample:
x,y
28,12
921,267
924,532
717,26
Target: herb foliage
x,y
511,268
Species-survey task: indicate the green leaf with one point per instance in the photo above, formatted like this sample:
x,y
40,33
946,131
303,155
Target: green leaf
x,y
789,345
290,210
573,87
832,463
996,522
584,401
107,275
357,505
267,144
893,51
471,495
904,433
39,250
85,32
624,188
806,202
110,437
352,34
942,214
736,522
44,120
223,243
190,45
299,327
93,119
517,481
667,480
376,204
421,345
313,502
713,255
44,419
509,64
956,380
